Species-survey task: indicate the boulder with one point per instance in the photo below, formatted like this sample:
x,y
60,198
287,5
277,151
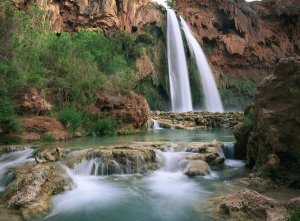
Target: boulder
x,y
250,205
33,186
271,130
196,168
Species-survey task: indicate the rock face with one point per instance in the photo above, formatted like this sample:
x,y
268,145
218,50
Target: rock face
x,y
270,134
250,205
243,39
130,108
197,120
33,101
107,15
33,187
37,127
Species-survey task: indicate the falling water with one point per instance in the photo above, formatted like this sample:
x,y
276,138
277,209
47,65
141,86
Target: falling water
x,y
10,160
178,72
156,125
212,98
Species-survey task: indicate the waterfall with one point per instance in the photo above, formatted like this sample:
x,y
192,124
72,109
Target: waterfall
x,y
10,160
156,125
229,150
181,97
212,98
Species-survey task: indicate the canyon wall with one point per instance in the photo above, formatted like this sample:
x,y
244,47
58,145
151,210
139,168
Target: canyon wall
x,y
243,40
269,136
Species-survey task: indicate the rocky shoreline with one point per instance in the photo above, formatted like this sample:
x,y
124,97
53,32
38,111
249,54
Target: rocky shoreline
x,y
197,120
36,181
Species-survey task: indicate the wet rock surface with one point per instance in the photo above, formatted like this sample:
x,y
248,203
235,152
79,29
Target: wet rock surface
x,y
197,120
34,184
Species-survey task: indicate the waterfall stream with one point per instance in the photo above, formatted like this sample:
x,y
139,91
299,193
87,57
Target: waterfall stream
x,y
212,98
11,160
180,90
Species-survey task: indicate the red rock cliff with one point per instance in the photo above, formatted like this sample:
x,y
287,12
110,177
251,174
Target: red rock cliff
x,y
244,40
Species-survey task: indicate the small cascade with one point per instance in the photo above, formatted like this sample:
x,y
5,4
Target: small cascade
x,y
171,161
156,125
229,151
212,98
180,90
110,166
10,160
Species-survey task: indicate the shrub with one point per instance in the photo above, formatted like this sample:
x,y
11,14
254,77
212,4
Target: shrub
x,y
105,127
295,215
47,138
71,118
9,121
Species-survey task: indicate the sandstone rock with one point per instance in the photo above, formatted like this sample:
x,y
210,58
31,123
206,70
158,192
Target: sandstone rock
x,y
243,40
250,205
34,127
33,101
272,142
106,15
196,168
131,108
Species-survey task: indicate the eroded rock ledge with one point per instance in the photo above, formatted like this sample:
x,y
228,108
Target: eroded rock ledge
x,y
197,120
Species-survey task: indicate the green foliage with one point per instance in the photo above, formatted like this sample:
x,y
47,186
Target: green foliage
x,y
295,215
47,138
105,127
236,94
249,119
156,96
171,3
9,121
294,90
10,140
71,118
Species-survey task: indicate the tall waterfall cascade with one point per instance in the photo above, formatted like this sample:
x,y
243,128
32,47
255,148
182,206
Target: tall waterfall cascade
x,y
212,98
180,90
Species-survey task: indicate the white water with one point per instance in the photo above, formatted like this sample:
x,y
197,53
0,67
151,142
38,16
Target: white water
x,y
156,125
180,90
10,160
212,98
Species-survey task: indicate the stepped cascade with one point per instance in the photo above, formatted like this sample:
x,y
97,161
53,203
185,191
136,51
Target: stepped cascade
x,y
212,98
178,72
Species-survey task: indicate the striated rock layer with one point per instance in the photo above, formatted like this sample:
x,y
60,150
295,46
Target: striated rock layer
x,y
270,134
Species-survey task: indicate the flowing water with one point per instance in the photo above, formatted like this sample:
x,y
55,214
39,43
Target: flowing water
x,y
163,195
10,160
156,125
181,97
212,98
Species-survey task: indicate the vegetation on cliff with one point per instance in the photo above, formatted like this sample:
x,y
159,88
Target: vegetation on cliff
x,y
68,68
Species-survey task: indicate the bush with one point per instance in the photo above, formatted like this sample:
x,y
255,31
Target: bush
x,y
47,138
71,118
105,127
295,216
9,121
